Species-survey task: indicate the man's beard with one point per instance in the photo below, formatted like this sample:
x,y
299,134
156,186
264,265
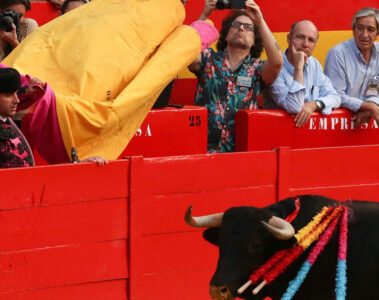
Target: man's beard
x,y
239,43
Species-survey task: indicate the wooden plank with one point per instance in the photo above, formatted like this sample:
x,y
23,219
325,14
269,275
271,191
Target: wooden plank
x,y
183,174
136,257
63,265
164,214
104,290
69,183
63,224
257,130
283,172
179,285
342,193
333,167
170,131
167,253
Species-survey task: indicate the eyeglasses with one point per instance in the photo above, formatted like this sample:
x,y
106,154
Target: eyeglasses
x,y
246,26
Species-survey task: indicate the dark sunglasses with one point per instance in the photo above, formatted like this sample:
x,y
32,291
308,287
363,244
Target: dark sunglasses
x,y
246,26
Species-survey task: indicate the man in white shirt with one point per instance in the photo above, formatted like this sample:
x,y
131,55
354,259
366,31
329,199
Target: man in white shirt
x,y
353,67
301,87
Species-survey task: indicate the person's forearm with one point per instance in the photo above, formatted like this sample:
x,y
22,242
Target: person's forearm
x,y
294,101
350,103
205,15
373,99
298,75
290,98
274,55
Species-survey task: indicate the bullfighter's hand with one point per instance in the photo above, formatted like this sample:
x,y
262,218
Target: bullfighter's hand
x,y
101,161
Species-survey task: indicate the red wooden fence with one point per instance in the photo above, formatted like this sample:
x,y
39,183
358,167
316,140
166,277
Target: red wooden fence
x,y
117,232
171,131
267,129
64,232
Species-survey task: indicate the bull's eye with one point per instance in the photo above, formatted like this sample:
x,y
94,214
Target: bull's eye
x,y
224,290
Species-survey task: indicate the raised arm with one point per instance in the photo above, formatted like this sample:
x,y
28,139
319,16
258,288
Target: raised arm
x,y
209,7
272,66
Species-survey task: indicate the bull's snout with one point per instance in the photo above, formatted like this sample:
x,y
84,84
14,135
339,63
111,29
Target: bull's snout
x,y
220,293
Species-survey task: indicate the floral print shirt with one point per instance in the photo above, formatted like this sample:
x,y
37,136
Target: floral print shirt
x,y
14,149
224,92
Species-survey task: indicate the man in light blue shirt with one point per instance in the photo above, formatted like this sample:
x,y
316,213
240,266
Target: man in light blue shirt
x,y
301,87
353,64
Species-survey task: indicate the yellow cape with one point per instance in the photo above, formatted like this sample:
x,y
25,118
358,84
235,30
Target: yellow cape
x,y
107,62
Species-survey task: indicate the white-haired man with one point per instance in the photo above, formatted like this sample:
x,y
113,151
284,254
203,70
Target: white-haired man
x,y
353,67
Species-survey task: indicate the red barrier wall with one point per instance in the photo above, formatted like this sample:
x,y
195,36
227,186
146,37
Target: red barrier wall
x,y
171,131
64,232
117,232
268,129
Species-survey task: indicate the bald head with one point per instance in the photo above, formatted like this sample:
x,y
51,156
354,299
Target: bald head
x,y
302,37
307,24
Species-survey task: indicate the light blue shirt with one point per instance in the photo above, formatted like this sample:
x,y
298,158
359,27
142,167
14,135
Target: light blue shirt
x,y
349,73
289,94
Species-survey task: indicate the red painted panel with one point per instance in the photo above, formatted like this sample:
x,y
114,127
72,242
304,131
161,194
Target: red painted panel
x,y
165,214
105,290
136,257
267,129
63,265
63,224
178,285
333,167
167,253
201,173
42,12
366,192
171,131
42,186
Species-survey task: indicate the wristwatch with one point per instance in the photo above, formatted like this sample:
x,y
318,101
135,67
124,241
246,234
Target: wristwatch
x,y
320,105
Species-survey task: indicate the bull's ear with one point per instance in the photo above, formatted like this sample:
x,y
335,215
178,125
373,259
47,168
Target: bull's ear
x,y
211,235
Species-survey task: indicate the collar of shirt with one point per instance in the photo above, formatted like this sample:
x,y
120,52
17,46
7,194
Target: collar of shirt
x,y
353,45
3,119
244,62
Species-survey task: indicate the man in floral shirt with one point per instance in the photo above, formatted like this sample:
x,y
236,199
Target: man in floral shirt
x,y
232,78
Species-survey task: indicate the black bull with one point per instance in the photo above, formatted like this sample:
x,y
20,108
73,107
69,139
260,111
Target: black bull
x,y
245,243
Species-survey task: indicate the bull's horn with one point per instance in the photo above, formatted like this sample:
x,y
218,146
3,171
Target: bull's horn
x,y
203,221
279,228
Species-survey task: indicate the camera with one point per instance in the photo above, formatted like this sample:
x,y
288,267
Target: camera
x,y
223,4
9,17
